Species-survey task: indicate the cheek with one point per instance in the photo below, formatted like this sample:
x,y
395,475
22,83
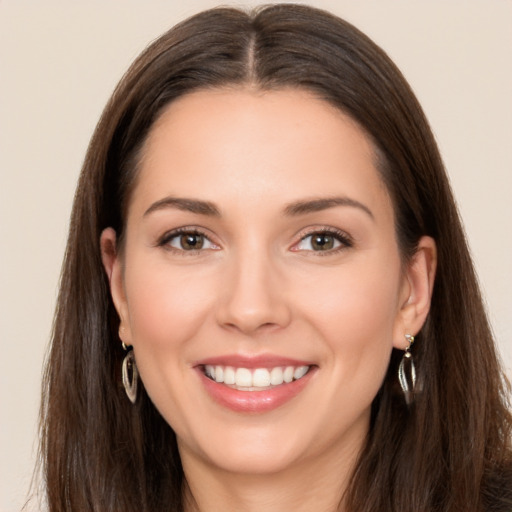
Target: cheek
x,y
166,306
355,314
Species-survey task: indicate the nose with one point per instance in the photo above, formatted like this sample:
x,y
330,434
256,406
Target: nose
x,y
253,298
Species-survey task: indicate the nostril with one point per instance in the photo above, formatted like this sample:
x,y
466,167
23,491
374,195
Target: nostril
x,y
252,328
249,303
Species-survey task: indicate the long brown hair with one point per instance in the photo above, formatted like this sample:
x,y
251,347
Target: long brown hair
x,y
449,451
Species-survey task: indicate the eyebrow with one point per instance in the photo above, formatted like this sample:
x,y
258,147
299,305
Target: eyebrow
x,y
185,204
293,209
316,205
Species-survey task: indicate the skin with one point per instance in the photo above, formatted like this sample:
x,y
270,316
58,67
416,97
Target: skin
x,y
259,286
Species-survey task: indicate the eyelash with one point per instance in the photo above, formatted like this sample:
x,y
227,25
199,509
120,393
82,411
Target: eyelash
x,y
344,240
165,240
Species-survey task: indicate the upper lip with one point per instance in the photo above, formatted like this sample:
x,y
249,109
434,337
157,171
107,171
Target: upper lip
x,y
258,361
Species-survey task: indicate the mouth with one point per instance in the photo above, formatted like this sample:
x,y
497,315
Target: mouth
x,y
254,379
254,385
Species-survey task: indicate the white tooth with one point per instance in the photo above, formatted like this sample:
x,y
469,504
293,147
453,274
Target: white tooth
x,y
219,374
243,377
288,374
229,375
261,378
210,371
300,372
276,376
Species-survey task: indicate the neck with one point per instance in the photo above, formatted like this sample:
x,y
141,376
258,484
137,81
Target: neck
x,y
308,485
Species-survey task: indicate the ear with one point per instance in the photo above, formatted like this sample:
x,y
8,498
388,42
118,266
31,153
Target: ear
x,y
114,269
416,292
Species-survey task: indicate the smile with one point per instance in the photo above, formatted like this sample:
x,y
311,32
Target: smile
x,y
254,384
257,379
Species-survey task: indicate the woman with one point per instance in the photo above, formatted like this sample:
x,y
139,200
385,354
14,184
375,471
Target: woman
x,y
263,230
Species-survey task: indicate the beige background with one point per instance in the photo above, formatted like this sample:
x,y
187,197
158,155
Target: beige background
x,y
59,61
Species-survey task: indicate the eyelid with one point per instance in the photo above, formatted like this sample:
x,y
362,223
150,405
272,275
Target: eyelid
x,y
163,241
346,241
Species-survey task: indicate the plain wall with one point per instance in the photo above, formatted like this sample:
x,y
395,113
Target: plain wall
x,y
59,62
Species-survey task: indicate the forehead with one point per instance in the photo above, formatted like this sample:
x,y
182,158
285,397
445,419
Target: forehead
x,y
252,145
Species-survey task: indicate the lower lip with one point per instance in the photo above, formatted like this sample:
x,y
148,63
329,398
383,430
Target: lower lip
x,y
254,401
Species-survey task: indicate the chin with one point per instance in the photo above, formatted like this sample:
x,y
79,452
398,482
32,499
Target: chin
x,y
247,451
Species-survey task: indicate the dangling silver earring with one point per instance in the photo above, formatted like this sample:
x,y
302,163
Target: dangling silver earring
x,y
407,372
130,375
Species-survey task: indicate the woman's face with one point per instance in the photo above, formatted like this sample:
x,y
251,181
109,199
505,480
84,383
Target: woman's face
x,y
260,251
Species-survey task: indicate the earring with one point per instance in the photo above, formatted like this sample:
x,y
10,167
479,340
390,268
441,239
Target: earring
x,y
407,372
130,374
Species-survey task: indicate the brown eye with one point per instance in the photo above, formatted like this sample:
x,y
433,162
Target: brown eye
x,y
187,241
191,241
322,242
